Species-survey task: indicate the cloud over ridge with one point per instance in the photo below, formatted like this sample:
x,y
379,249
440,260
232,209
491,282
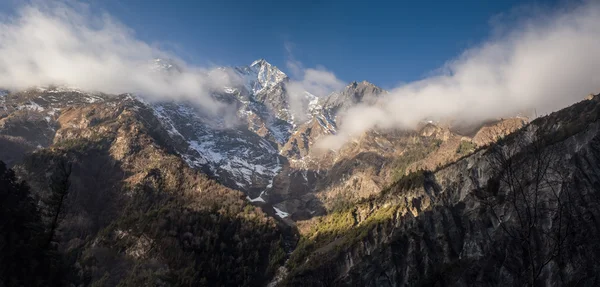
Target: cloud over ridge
x,y
316,81
545,62
65,44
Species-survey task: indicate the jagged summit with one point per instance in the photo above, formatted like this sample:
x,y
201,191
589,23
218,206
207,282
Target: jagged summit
x,y
260,62
364,83
352,94
144,150
160,64
263,65
260,76
267,74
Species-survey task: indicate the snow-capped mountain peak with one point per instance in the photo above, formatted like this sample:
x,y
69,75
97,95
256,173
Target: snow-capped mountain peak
x,y
264,75
260,62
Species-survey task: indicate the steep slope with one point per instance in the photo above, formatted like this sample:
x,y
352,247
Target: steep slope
x,y
238,157
145,204
265,82
242,152
137,214
521,211
324,119
355,93
28,118
318,181
257,146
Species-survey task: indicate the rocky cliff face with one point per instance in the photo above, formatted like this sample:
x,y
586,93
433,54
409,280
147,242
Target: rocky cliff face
x,y
28,118
355,93
135,212
137,163
261,149
258,147
521,211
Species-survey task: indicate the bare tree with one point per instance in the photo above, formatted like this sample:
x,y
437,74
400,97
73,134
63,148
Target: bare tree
x,y
59,188
528,197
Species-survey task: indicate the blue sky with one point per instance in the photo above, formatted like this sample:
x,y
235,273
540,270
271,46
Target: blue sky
x,y
500,58
385,42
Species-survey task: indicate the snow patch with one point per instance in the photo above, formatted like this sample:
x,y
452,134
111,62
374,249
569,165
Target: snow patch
x,y
206,149
258,199
52,111
32,106
280,212
92,99
167,123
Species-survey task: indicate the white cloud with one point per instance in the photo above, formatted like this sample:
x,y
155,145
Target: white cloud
x,y
318,82
545,63
65,44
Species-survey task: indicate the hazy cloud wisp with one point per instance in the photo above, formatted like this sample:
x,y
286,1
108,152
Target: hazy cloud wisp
x,y
544,63
318,82
64,44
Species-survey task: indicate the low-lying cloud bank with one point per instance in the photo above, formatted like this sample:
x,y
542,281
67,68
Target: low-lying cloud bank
x,y
318,82
65,44
545,63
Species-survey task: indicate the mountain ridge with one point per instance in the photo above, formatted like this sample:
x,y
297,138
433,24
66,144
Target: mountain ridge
x,y
261,192
441,226
267,143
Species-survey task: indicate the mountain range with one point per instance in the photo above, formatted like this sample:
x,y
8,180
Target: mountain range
x,y
167,193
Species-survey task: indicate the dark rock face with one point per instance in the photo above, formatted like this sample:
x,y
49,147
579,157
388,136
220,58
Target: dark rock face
x,y
256,144
521,212
355,93
170,161
28,119
136,213
238,157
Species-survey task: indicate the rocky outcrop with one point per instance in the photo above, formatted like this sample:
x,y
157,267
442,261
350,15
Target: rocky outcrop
x,y
520,212
355,93
428,206
256,144
491,132
136,213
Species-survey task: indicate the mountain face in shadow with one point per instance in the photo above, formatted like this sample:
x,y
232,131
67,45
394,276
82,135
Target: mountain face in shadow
x,y
162,193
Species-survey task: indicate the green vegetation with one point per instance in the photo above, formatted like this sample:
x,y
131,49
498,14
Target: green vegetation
x,y
168,225
333,234
342,201
413,154
409,181
466,147
94,142
216,245
276,256
324,230
329,235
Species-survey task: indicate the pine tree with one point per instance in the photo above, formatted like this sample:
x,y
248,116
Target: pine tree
x,y
23,261
55,203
